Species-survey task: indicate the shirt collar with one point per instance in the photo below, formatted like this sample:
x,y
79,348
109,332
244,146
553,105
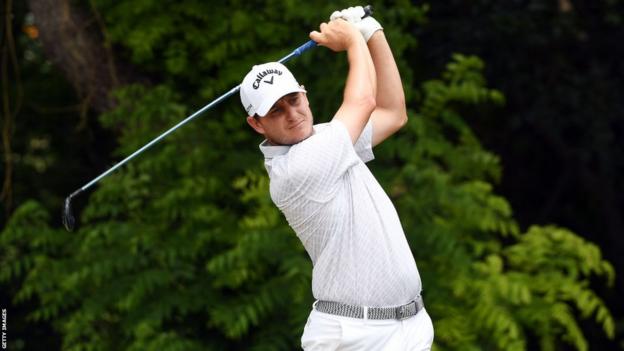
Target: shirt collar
x,y
271,151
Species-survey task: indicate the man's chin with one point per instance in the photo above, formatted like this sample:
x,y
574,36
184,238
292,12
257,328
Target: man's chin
x,y
297,139
294,139
307,135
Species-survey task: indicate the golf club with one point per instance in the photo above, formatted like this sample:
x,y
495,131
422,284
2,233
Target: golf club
x,y
68,217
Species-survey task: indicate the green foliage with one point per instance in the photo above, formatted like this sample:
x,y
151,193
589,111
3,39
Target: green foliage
x,y
488,286
559,67
183,249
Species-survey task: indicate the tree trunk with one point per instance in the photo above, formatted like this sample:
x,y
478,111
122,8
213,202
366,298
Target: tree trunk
x,y
75,41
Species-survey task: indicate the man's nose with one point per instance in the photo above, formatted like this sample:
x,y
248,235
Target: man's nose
x,y
290,112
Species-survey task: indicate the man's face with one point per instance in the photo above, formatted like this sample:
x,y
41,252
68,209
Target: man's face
x,y
288,122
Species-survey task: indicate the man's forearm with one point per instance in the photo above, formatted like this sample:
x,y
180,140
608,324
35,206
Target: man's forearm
x,y
390,93
361,86
361,81
360,90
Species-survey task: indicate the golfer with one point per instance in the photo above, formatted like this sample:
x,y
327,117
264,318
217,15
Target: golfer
x,y
365,281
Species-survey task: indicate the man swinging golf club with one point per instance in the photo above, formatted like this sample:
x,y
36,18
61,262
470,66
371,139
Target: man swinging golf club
x,y
365,281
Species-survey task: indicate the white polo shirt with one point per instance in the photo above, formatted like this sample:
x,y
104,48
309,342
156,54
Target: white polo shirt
x,y
343,217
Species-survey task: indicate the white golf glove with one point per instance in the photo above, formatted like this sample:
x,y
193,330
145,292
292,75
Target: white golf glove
x,y
367,26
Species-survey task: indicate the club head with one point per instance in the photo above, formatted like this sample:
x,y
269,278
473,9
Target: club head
x,y
68,216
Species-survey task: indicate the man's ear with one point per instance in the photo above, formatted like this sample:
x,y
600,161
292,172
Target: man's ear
x,y
255,124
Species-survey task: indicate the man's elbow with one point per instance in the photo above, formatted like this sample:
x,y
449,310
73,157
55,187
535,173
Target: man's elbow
x,y
401,113
402,119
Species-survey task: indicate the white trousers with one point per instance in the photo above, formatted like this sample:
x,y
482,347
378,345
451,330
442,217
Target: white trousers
x,y
329,332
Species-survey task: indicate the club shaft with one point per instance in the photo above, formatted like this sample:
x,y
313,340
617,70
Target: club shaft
x,y
163,135
298,51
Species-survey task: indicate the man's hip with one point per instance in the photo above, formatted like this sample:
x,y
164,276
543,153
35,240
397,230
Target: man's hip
x,y
406,327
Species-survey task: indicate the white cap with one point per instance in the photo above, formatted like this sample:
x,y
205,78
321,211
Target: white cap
x,y
264,85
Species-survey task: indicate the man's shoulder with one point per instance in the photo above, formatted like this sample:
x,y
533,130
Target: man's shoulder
x,y
319,135
321,126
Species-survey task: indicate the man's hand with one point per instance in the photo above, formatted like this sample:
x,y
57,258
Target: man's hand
x,y
367,26
338,35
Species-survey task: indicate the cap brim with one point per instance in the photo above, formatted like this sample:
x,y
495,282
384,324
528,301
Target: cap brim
x,y
270,100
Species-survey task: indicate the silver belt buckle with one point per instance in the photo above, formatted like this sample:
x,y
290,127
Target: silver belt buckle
x,y
402,312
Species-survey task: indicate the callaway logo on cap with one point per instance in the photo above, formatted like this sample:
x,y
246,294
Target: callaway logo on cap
x,y
264,85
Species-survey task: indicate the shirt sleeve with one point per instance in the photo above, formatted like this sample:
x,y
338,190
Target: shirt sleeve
x,y
364,145
317,164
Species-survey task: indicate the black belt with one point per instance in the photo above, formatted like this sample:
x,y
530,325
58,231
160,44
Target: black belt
x,y
399,312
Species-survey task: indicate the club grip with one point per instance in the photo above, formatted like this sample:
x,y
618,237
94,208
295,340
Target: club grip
x,y
368,11
310,44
